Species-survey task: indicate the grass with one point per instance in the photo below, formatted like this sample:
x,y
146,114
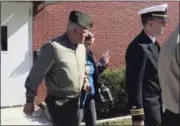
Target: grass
x,y
124,122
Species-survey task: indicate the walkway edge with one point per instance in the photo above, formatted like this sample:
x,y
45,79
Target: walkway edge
x,y
110,120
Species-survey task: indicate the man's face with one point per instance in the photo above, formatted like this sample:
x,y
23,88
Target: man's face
x,y
158,25
81,34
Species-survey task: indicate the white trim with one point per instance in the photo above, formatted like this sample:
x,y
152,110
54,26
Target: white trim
x,y
31,30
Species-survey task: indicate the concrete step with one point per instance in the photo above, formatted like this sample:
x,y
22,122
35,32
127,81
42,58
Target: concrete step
x,y
15,116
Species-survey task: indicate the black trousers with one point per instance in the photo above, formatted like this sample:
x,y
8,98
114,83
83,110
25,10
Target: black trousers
x,y
171,119
87,111
153,111
63,112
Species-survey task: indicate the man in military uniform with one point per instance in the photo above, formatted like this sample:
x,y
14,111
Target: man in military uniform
x,y
144,93
169,78
62,63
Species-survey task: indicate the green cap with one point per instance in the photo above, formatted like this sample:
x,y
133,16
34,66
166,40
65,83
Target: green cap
x,y
81,19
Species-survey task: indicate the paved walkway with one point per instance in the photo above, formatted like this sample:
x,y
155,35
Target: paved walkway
x,y
15,116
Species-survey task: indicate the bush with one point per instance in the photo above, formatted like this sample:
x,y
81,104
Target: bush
x,y
115,81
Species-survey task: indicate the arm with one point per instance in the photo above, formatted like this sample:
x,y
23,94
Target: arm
x,y
41,66
135,66
103,62
100,68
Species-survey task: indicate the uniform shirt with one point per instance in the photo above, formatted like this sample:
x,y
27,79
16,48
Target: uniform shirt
x,y
169,72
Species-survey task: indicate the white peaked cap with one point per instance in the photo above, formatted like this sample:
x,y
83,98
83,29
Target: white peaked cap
x,y
158,10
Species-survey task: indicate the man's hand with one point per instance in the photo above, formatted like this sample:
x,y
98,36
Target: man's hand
x,y
28,108
138,123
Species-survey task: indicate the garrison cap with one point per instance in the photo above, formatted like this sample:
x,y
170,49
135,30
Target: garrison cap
x,y
81,19
154,11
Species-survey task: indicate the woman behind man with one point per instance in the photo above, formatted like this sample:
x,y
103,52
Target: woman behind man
x,y
87,102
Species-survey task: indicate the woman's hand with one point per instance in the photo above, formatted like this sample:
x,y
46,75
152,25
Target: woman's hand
x,y
86,86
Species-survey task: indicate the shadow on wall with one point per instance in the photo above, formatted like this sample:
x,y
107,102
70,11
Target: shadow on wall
x,y
16,19
23,67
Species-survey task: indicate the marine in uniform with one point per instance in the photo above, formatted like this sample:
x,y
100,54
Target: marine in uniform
x,y
144,92
62,63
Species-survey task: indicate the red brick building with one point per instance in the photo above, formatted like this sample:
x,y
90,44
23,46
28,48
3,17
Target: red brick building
x,y
115,25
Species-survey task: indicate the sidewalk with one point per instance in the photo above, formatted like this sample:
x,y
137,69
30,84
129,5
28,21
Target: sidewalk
x,y
15,116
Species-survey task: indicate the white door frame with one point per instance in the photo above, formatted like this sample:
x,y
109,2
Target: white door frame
x,y
30,40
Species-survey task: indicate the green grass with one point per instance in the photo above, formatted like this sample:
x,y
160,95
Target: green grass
x,y
124,122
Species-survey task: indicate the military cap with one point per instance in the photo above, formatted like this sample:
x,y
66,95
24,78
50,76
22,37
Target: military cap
x,y
81,19
154,11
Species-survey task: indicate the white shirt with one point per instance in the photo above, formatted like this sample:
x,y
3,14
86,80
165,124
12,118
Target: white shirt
x,y
152,38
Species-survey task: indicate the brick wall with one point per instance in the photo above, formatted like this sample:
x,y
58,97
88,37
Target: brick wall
x,y
115,25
